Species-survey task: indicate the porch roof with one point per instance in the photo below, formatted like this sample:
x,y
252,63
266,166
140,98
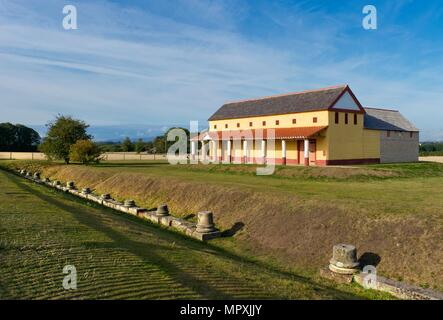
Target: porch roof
x,y
251,134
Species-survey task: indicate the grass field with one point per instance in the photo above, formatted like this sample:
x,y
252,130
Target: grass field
x,y
294,217
121,257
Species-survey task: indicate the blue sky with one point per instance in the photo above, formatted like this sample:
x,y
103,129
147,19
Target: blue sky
x,y
168,62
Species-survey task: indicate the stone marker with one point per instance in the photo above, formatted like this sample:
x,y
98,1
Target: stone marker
x,y
205,222
344,259
70,185
129,203
47,180
106,196
23,172
86,190
162,211
28,174
37,176
57,183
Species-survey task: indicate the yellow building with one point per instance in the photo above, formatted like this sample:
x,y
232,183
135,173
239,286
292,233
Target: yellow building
x,y
328,126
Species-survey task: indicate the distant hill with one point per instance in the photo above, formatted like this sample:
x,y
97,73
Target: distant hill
x,y
116,133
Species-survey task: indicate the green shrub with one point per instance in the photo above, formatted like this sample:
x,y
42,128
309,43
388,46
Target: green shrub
x,y
85,151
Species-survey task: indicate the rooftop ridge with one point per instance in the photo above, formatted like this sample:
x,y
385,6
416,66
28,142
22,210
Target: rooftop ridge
x,y
287,94
383,109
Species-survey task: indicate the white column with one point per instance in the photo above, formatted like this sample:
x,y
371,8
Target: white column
x,y
193,149
283,151
229,150
306,152
245,151
203,151
263,150
214,150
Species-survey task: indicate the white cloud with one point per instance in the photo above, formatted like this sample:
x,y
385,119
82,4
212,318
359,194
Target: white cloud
x,y
132,65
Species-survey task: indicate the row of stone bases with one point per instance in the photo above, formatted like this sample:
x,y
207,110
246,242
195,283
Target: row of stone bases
x,y
203,230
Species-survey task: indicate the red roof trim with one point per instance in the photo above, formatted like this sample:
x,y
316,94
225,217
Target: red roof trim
x,y
250,134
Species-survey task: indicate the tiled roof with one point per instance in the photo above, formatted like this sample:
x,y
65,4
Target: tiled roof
x,y
277,133
383,119
313,100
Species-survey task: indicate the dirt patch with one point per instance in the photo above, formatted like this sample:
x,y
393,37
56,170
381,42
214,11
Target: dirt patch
x,y
297,231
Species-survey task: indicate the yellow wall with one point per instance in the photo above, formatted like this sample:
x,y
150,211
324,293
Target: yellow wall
x,y
349,141
304,119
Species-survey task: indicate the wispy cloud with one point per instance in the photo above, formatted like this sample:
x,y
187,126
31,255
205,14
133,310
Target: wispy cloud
x,y
169,62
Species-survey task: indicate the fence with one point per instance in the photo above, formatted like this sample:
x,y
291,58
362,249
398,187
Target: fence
x,y
108,156
22,156
123,156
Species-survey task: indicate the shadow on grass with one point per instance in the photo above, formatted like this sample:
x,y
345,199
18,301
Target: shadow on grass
x,y
233,230
140,249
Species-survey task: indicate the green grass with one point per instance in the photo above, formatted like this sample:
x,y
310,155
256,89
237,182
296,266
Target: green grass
x,y
121,257
406,189
393,210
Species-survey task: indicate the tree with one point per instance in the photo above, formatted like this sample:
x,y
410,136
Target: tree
x,y
18,138
160,143
85,151
140,146
27,138
62,134
127,145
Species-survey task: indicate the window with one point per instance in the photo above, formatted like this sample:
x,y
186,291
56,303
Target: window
x,y
388,134
226,126
238,125
250,124
355,118
215,126
314,119
346,118
294,121
411,134
263,123
337,117
277,122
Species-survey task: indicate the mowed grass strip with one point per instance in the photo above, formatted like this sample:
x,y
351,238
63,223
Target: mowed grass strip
x,y
119,257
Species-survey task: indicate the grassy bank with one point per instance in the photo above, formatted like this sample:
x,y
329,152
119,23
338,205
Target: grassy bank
x,y
121,257
296,215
